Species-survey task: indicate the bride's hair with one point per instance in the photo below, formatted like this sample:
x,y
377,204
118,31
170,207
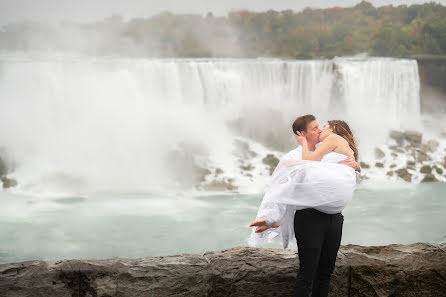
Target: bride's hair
x,y
342,129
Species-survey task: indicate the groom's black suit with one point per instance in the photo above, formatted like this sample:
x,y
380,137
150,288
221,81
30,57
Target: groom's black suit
x,y
318,237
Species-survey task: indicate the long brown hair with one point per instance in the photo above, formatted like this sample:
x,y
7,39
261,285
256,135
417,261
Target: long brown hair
x,y
342,129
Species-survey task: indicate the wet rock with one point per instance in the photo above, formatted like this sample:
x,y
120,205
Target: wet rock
x,y
248,167
201,173
364,165
393,154
222,185
410,167
397,136
439,170
429,178
379,165
218,171
8,182
389,173
392,165
414,137
396,148
426,169
3,168
242,150
423,157
404,174
394,270
410,163
271,161
431,146
379,154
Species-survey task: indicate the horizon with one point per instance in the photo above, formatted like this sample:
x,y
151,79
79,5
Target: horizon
x,y
54,12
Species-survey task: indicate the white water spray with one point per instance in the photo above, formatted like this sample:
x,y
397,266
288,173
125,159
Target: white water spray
x,y
107,123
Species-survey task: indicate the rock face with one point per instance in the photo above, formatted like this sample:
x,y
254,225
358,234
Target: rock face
x,y
395,270
3,168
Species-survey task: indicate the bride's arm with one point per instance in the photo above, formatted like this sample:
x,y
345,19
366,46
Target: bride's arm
x,y
328,145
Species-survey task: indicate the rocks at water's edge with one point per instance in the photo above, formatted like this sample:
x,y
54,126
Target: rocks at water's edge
x,y
3,168
404,174
364,165
429,178
426,169
397,136
8,182
394,270
414,137
379,154
271,161
220,185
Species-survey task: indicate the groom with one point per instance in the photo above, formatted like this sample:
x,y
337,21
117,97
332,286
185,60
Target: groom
x,y
318,235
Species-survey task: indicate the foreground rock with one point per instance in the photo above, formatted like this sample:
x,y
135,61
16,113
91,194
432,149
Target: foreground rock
x,y
394,270
8,182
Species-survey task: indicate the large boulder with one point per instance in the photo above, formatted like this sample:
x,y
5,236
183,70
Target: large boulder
x,y
394,270
430,146
404,174
398,136
429,178
426,169
414,137
379,154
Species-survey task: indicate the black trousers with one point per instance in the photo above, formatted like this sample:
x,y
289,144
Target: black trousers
x,y
318,237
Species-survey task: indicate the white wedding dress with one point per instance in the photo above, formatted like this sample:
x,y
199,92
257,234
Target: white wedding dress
x,y
298,184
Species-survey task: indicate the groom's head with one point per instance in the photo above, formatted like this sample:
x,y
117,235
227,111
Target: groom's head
x,y
309,128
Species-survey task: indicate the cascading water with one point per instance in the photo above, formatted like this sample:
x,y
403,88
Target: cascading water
x,y
108,123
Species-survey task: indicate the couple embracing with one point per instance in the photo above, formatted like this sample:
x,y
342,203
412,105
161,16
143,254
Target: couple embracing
x,y
304,199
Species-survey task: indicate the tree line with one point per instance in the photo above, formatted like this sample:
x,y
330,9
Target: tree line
x,y
401,31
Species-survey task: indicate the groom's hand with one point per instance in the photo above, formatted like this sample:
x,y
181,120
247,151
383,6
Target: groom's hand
x,y
350,161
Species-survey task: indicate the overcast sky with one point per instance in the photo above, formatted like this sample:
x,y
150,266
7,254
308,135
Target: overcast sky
x,y
53,11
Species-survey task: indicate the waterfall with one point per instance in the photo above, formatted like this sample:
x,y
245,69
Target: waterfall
x,y
102,121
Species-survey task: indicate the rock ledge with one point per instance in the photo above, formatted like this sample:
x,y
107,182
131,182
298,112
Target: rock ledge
x,y
395,270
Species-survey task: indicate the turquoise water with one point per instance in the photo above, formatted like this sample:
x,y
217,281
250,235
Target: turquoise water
x,y
132,225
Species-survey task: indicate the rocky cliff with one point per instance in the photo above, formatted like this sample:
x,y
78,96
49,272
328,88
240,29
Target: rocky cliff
x,y
395,270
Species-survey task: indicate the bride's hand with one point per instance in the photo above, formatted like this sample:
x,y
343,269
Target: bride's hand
x,y
299,138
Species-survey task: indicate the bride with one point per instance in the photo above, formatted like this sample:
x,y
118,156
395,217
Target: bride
x,y
317,181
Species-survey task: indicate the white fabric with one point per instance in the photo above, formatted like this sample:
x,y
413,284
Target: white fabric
x,y
296,184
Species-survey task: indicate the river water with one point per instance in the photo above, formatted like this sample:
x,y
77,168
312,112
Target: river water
x,y
132,225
